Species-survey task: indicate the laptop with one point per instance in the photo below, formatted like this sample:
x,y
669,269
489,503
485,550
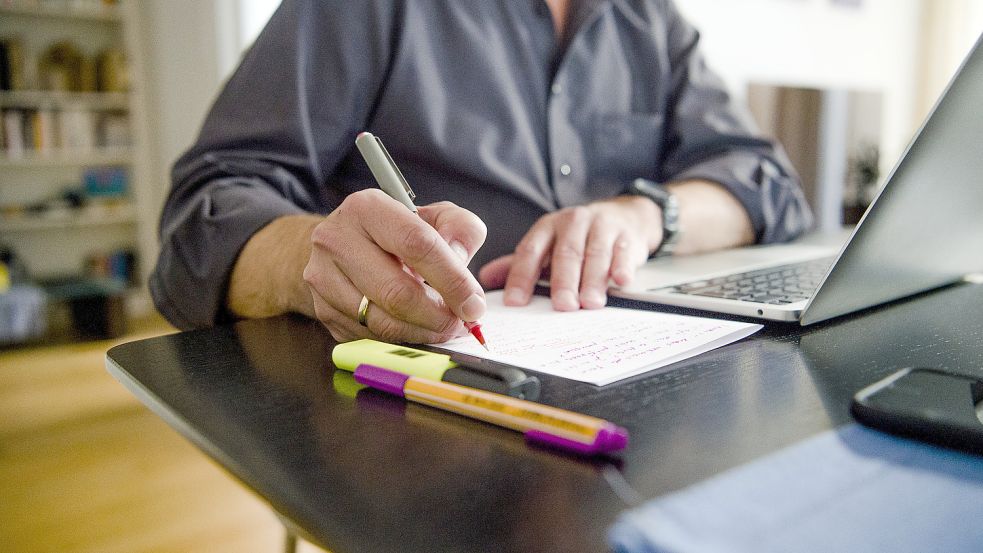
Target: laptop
x,y
924,230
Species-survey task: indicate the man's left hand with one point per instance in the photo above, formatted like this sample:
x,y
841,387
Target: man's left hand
x,y
584,248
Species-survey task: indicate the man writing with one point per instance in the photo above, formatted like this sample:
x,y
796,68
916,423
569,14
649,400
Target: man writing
x,y
520,125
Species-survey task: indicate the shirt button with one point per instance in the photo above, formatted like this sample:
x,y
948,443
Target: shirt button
x,y
565,170
556,89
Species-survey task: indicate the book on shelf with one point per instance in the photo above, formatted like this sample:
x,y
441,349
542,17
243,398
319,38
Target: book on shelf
x,y
13,132
78,132
71,130
11,64
43,130
118,265
62,66
4,66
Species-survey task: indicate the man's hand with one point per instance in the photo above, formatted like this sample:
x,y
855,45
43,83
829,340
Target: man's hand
x,y
372,245
365,246
584,248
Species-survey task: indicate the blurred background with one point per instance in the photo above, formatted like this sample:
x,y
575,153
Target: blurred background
x,y
99,97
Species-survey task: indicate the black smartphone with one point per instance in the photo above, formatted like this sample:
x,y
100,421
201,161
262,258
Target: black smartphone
x,y
931,405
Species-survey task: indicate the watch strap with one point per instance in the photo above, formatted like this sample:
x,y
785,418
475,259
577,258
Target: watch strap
x,y
669,205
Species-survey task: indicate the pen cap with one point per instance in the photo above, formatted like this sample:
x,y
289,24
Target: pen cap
x,y
411,361
384,169
379,378
609,439
493,376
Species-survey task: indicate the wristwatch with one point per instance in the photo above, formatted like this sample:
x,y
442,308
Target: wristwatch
x,y
669,205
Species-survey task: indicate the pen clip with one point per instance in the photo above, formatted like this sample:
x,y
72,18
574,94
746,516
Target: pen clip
x,y
507,381
402,179
494,376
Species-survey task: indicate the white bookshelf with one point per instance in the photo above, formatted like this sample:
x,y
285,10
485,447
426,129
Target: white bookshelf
x,y
49,99
70,10
68,158
57,242
74,219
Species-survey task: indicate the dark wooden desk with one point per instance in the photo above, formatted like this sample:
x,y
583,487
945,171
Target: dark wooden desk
x,y
359,471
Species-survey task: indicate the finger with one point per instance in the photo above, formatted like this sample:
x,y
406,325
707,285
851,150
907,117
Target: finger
x,y
492,276
408,307
340,276
628,255
531,254
460,228
419,245
597,263
568,258
343,323
390,328
408,304
341,326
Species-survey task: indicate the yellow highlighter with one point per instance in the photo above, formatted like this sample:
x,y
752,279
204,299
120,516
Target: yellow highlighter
x,y
4,278
473,372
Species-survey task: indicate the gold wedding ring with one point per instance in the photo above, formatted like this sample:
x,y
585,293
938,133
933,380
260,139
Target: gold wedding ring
x,y
363,310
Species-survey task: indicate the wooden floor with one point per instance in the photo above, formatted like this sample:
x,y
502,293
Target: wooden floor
x,y
85,467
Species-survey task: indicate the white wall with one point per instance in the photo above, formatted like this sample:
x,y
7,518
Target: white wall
x,y
950,28
182,65
190,48
253,15
873,46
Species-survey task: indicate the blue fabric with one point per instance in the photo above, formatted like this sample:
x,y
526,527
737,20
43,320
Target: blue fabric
x,y
23,314
852,489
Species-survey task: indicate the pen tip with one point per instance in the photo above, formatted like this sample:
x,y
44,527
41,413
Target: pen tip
x,y
475,330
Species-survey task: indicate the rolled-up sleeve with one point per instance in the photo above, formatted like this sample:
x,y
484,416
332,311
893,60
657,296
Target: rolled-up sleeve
x,y
281,124
713,138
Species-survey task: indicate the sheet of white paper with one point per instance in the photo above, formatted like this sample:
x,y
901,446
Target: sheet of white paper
x,y
598,346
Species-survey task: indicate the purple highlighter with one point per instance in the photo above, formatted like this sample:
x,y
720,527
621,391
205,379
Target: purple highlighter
x,y
540,423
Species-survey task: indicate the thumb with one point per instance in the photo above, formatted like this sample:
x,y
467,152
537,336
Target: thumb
x,y
460,228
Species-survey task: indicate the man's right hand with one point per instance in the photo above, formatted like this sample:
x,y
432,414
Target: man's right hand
x,y
372,245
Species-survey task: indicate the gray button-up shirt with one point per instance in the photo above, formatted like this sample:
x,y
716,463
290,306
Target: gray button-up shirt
x,y
479,103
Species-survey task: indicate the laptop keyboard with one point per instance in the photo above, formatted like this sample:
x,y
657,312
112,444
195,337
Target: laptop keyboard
x,y
775,285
